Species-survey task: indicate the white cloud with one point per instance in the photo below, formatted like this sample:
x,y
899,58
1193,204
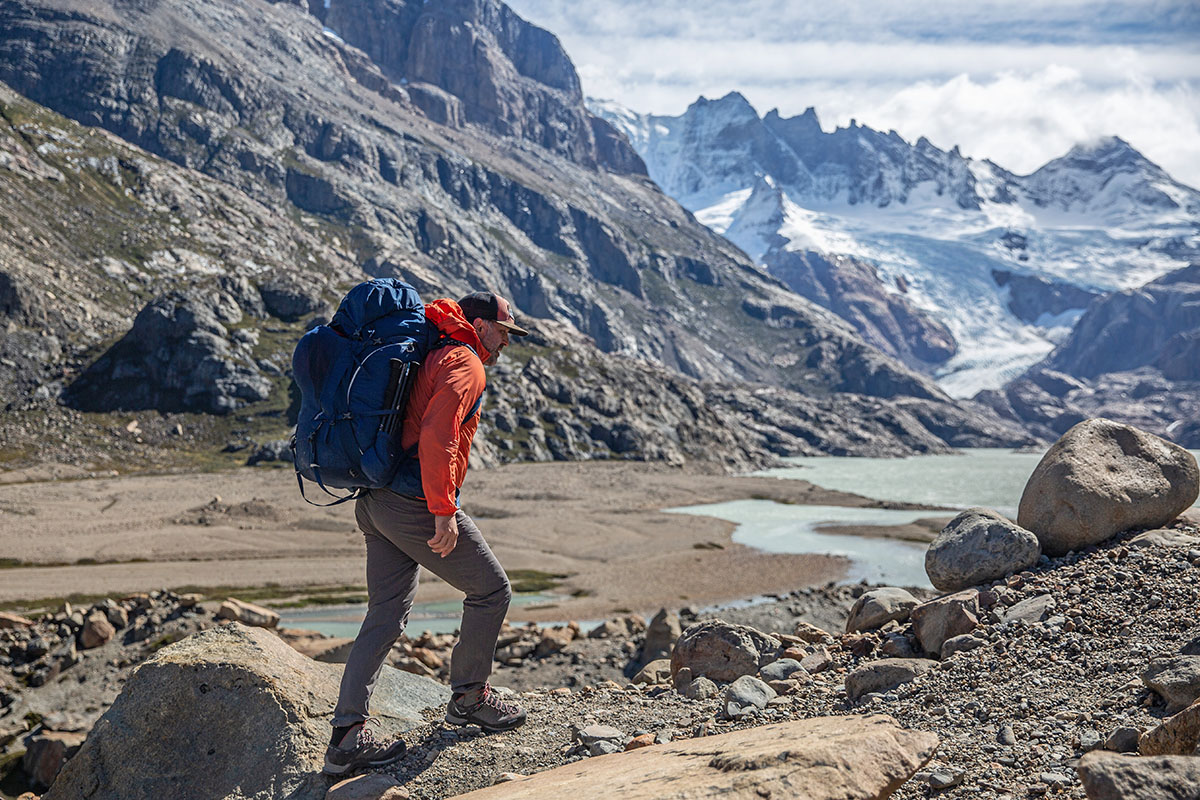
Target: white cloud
x,y
1016,82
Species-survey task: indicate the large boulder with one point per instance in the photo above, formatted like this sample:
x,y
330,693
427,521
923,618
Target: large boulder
x,y
180,355
876,608
979,546
231,712
827,758
723,652
1109,776
1102,478
944,618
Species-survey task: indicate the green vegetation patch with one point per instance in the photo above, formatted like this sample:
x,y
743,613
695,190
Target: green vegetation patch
x,y
532,580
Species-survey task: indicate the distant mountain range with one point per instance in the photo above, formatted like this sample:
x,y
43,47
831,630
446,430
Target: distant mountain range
x,y
955,265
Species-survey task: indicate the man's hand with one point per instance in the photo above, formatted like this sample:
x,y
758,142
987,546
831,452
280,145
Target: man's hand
x,y
445,536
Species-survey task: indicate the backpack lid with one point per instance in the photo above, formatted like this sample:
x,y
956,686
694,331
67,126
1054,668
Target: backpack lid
x,y
371,301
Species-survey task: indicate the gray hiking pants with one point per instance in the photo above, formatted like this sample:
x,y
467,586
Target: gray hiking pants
x,y
398,530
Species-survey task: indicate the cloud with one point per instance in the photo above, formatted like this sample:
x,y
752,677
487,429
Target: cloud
x,y
1015,81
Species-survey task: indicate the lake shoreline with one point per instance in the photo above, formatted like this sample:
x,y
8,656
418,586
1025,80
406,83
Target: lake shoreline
x,y
600,524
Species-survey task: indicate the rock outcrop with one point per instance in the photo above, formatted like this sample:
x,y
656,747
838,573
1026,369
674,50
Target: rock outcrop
x,y
821,759
978,546
853,290
285,164
228,712
1134,356
1102,478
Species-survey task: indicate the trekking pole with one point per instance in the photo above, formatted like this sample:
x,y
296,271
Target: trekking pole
x,y
400,378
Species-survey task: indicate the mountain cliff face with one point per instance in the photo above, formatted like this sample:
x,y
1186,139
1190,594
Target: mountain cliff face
x,y
1133,355
1099,219
246,164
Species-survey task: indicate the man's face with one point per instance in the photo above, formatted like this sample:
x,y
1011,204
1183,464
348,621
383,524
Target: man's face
x,y
493,337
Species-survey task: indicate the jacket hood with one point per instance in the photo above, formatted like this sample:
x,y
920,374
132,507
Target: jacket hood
x,y
448,318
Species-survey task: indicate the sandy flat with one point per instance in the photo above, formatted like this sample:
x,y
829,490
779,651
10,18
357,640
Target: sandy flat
x,y
600,523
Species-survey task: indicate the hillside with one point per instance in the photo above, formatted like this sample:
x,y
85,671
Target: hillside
x,y
229,169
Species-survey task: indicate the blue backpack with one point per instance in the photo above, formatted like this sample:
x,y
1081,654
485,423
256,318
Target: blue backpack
x,y
353,375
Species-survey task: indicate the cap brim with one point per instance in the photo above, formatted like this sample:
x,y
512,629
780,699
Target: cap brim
x,y
512,326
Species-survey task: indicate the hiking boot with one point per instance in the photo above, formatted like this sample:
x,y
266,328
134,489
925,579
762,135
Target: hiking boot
x,y
358,748
483,707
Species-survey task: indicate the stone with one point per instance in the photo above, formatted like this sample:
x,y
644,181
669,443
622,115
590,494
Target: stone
x,y
604,747
944,618
701,689
46,752
899,645
885,674
190,599
1101,478
1029,610
790,685
620,628
1164,537
1108,776
372,786
554,640
247,614
11,621
960,644
780,670
116,616
979,546
227,696
1123,739
656,672
97,630
876,608
746,692
506,777
593,733
638,742
817,661
1177,735
811,634
722,651
664,630
826,758
941,779
1176,679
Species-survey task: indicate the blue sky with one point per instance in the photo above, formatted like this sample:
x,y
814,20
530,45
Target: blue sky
x,y
1016,81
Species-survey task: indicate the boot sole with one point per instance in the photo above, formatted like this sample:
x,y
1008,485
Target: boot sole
x,y
454,719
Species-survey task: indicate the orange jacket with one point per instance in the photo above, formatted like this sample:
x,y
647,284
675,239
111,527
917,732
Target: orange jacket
x,y
448,385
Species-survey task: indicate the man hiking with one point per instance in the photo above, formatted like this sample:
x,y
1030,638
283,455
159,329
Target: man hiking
x,y
420,525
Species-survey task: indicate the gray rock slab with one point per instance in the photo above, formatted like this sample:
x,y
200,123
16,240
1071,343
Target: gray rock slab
x,y
979,546
885,674
780,670
1030,610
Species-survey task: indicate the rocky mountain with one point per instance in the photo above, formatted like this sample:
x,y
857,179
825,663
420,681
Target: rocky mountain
x,y
942,226
226,170
1133,355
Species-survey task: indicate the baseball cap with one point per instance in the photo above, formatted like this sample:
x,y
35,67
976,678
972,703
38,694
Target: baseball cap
x,y
485,305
